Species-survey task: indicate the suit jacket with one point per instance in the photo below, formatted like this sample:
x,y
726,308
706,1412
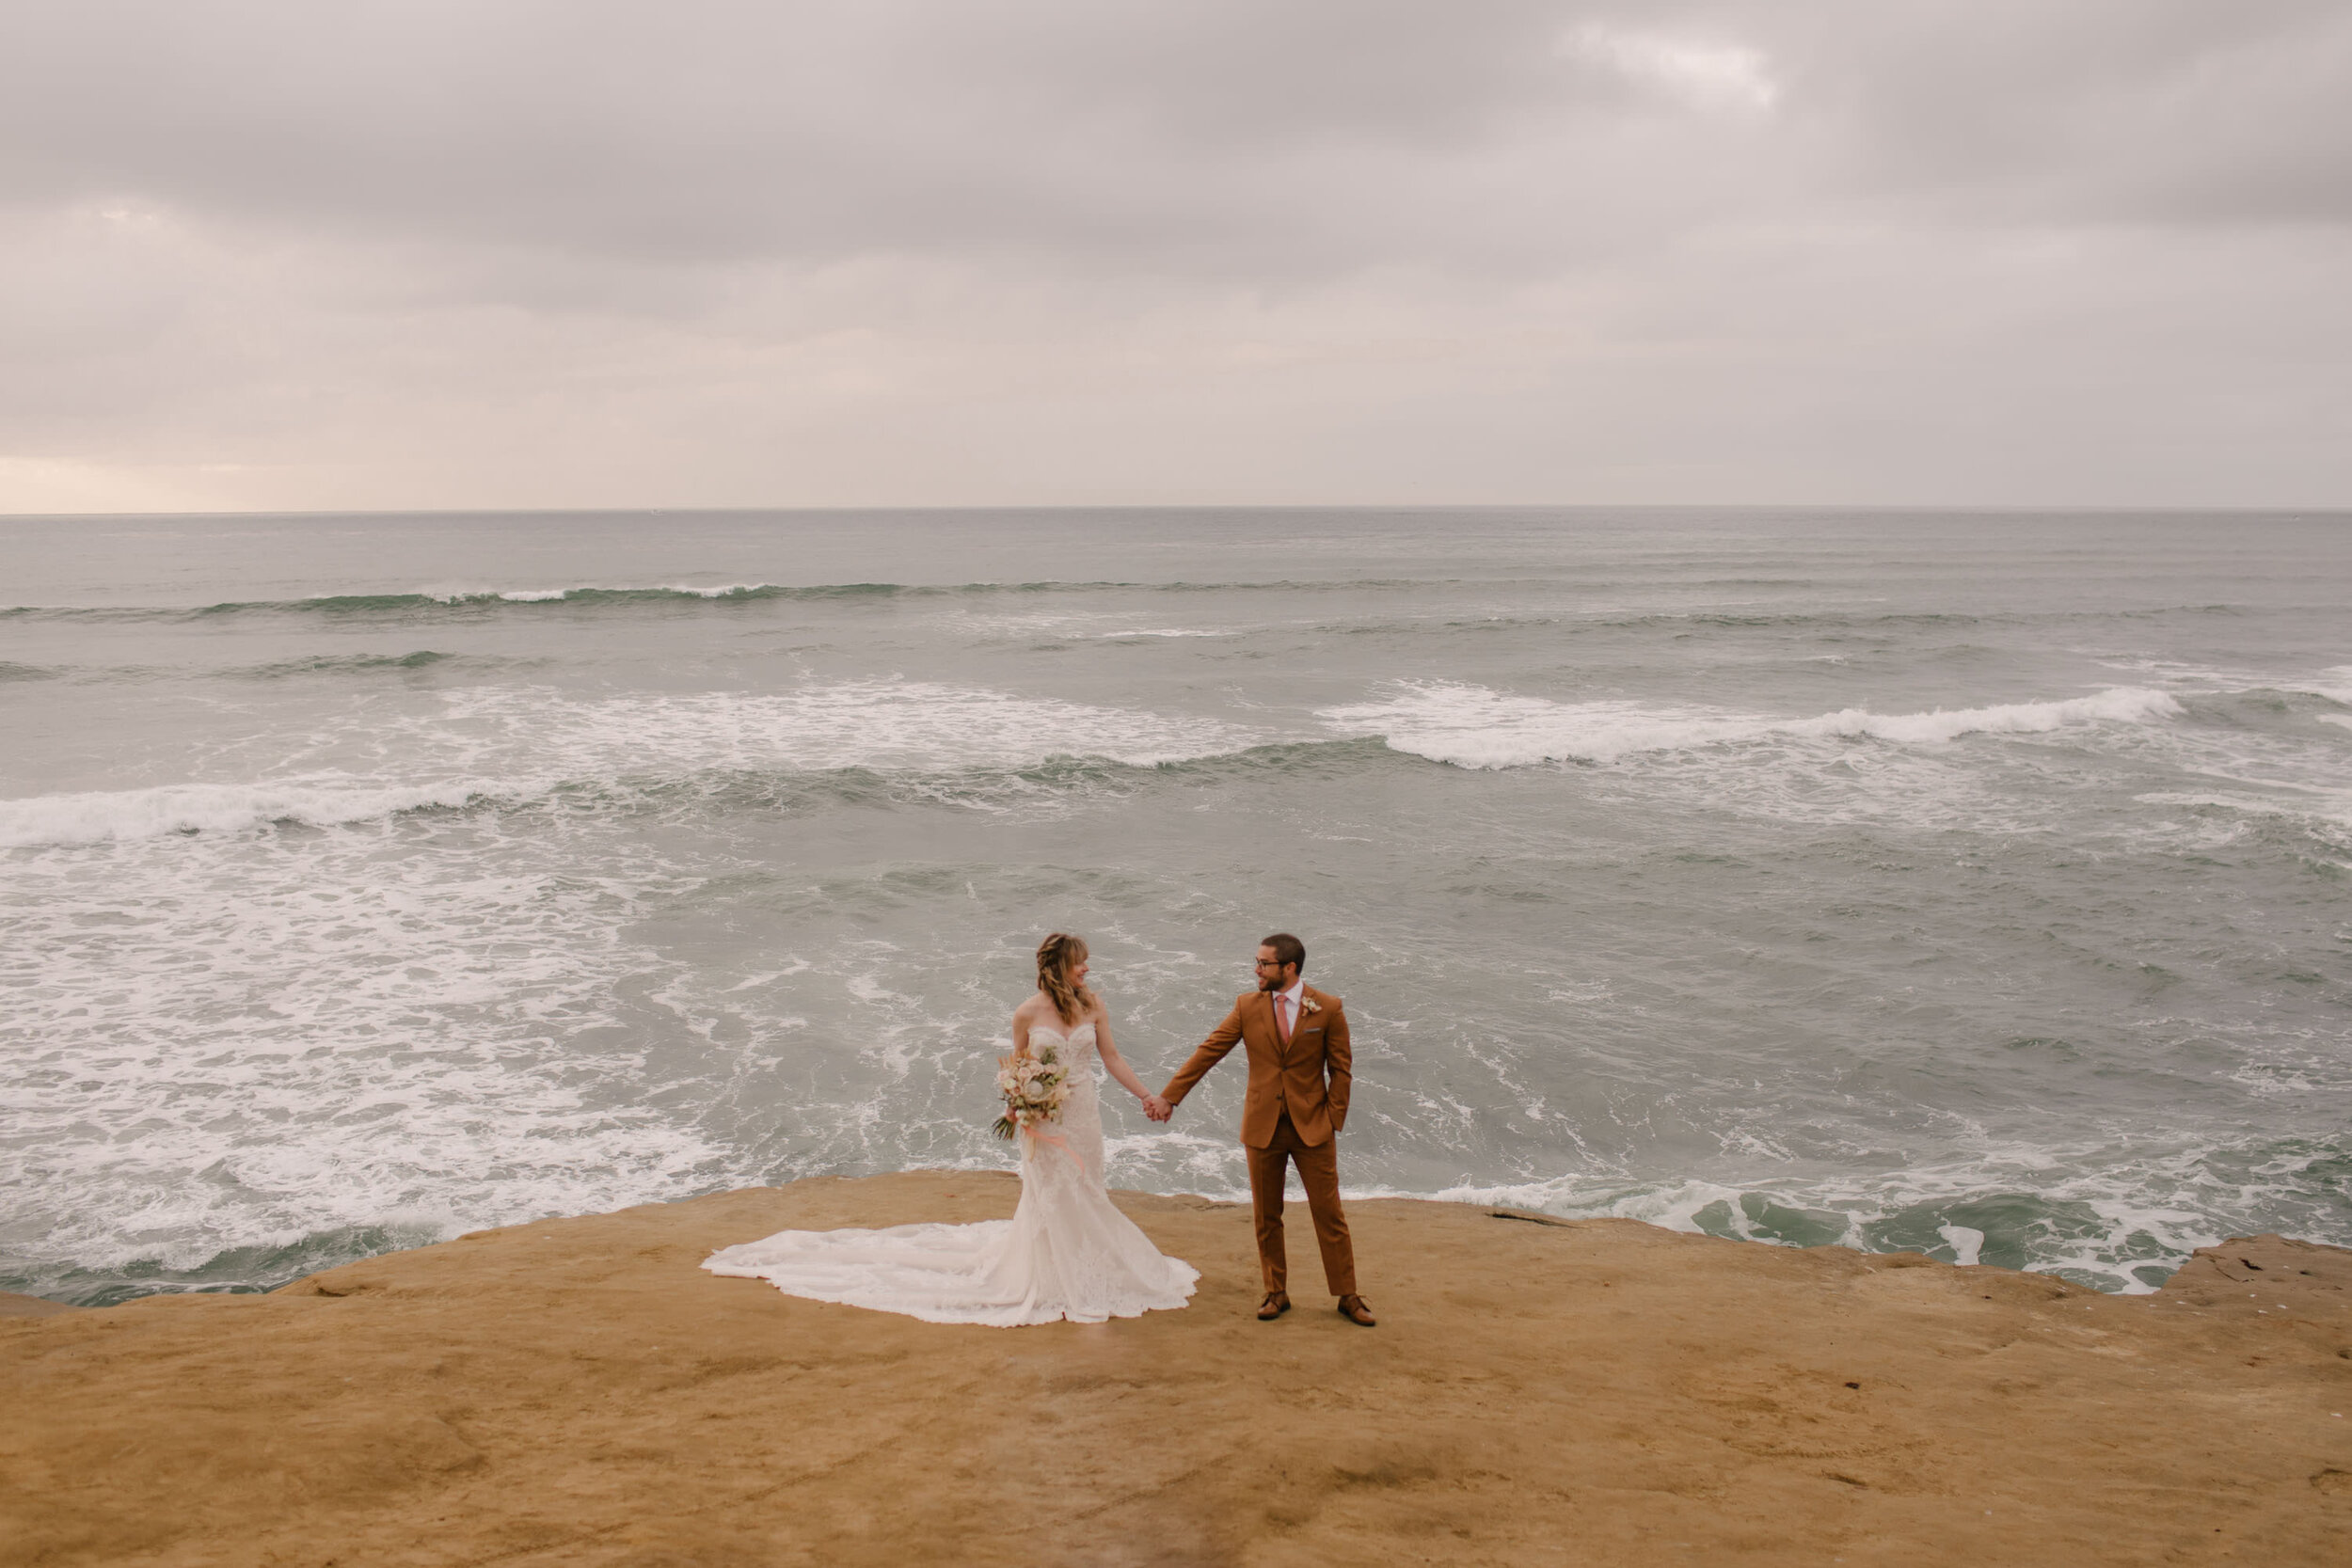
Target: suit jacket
x,y
1282,1077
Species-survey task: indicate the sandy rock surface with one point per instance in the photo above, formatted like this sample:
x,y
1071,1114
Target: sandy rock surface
x,y
579,1392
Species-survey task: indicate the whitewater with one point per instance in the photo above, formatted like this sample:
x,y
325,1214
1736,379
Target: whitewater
x,y
1978,884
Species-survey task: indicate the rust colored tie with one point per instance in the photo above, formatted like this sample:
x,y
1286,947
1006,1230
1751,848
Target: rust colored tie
x,y
1281,1018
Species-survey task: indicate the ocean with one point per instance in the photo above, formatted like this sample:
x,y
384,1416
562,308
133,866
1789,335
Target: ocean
x,y
1973,883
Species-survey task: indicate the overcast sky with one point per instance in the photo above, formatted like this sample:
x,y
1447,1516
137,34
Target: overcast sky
x,y
518,253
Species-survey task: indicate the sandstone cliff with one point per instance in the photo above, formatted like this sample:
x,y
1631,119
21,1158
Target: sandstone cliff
x,y
577,1392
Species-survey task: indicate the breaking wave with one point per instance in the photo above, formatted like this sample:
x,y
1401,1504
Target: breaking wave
x,y
479,600
507,745
1473,726
514,743
95,817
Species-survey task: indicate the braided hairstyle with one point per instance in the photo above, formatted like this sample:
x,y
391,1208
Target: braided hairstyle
x,y
1057,955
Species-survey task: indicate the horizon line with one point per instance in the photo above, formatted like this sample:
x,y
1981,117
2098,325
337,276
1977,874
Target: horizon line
x,y
2063,508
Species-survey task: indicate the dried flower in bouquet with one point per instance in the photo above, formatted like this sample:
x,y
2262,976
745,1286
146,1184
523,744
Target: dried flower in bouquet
x,y
1033,1088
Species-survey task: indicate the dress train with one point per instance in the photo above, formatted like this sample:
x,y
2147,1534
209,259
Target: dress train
x,y
1066,1252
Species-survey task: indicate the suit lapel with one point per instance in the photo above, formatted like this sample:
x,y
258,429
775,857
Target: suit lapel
x,y
1306,1001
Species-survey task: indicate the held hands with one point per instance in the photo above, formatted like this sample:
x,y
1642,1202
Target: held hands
x,y
1156,1108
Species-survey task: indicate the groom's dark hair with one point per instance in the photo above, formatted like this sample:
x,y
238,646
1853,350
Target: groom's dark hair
x,y
1288,949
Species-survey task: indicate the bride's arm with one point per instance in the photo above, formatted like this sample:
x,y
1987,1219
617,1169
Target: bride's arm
x,y
1113,1062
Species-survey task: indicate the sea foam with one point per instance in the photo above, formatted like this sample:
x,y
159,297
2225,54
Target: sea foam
x,y
1473,726
225,1044
887,724
95,817
511,743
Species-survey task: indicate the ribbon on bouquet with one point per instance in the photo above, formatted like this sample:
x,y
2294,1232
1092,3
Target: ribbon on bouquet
x,y
1036,1132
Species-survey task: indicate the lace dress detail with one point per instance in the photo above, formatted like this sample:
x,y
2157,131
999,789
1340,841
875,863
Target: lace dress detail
x,y
1066,1252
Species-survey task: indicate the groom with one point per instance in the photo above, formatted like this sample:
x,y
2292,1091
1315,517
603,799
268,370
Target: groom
x,y
1296,1036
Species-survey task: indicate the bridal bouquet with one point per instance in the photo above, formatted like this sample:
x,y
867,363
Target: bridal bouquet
x,y
1033,1088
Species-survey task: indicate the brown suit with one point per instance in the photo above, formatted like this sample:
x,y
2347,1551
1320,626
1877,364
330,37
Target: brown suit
x,y
1293,1111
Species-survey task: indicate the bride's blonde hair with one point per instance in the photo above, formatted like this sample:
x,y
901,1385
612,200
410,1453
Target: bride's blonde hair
x,y
1057,955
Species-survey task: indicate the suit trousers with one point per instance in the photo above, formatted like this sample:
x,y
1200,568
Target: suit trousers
x,y
1319,1173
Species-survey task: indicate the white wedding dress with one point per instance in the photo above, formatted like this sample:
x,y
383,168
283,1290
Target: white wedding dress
x,y
1066,1252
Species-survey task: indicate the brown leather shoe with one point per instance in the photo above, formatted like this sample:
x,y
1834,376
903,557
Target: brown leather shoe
x,y
1276,1304
1355,1311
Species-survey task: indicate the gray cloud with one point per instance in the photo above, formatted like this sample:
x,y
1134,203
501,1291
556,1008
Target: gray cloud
x,y
1348,131
2099,110
524,250
1216,134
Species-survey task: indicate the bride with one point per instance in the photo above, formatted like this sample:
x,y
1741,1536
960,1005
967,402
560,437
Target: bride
x,y
1066,1252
